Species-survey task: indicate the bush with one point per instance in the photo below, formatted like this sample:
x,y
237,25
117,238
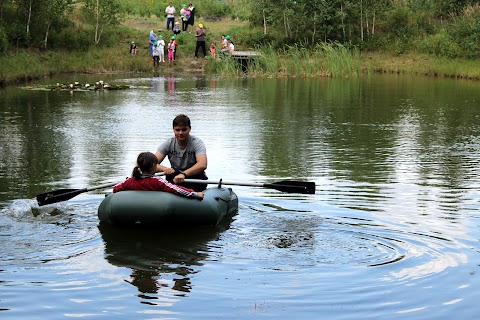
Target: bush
x,y
440,44
466,34
398,24
76,39
3,41
378,42
212,9
254,37
17,35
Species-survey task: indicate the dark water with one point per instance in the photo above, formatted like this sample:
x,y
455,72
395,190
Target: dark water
x,y
392,232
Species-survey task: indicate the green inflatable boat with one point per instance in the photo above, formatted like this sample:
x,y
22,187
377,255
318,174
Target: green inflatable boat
x,y
156,208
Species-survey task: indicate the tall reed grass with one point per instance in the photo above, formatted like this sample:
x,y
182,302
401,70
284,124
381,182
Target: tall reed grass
x,y
331,60
324,60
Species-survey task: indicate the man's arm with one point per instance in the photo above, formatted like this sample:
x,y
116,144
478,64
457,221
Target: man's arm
x,y
160,168
197,168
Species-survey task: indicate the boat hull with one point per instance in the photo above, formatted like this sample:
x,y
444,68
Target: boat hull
x,y
156,208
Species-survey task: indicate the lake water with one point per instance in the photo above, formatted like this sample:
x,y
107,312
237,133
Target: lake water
x,y
391,233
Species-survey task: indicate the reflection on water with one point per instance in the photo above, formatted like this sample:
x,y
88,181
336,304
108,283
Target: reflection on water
x,y
163,258
392,231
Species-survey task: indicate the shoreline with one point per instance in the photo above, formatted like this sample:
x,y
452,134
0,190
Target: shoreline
x,y
46,65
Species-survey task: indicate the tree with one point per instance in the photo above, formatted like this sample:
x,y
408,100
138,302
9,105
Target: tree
x,y
103,14
53,17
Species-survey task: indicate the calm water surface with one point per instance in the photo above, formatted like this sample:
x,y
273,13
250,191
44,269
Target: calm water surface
x,y
392,232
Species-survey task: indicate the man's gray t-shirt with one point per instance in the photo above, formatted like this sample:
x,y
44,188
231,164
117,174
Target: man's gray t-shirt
x,y
200,34
182,158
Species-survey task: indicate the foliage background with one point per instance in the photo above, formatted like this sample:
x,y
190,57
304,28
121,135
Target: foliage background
x,y
446,28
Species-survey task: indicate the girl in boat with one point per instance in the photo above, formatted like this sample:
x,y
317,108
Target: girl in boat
x,y
143,179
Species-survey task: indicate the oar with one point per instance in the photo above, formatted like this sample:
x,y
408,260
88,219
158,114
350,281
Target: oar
x,y
67,194
284,186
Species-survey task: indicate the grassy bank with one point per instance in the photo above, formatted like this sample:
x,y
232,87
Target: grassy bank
x,y
321,61
420,64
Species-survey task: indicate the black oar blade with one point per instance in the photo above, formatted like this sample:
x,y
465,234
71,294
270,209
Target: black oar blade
x,y
58,196
294,186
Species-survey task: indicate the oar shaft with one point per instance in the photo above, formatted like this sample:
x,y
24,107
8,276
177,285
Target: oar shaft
x,y
66,194
103,186
284,186
246,184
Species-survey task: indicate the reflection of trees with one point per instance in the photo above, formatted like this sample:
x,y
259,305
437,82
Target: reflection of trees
x,y
49,134
31,135
352,128
160,258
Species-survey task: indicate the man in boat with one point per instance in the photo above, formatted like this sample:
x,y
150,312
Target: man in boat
x,y
187,155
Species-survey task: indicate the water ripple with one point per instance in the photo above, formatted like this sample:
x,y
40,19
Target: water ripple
x,y
291,237
42,234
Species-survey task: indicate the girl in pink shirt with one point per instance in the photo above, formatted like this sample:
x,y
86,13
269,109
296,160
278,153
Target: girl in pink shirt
x,y
171,51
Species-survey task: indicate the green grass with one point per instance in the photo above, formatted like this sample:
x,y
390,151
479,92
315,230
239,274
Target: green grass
x,y
420,64
324,60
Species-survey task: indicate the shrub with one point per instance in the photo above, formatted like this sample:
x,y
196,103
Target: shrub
x,y
398,24
3,41
440,44
466,32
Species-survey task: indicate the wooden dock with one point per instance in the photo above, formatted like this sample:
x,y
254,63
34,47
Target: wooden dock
x,y
245,54
245,58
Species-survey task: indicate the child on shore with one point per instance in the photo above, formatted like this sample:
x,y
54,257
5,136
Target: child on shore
x,y
171,51
156,54
133,48
161,48
176,28
213,50
175,42
224,48
143,179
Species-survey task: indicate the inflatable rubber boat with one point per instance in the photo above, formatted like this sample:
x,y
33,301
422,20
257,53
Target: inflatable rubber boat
x,y
156,208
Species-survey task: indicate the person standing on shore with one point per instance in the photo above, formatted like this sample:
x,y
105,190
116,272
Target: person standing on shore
x,y
156,55
200,34
151,40
171,51
170,13
191,20
184,16
213,50
231,46
175,43
161,48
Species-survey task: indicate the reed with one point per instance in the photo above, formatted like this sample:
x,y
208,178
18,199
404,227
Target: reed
x,y
224,66
421,64
323,60
333,60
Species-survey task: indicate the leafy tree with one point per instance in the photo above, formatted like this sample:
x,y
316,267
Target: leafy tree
x,y
3,41
103,15
53,18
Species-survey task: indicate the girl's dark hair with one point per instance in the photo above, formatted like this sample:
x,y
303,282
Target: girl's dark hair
x,y
146,163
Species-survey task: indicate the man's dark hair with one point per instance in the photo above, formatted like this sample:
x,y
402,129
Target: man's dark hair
x,y
181,121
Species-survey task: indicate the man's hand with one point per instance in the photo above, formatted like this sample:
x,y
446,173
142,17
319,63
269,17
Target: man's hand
x,y
168,170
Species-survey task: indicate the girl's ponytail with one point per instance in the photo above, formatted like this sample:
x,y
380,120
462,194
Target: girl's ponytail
x,y
146,165
137,172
